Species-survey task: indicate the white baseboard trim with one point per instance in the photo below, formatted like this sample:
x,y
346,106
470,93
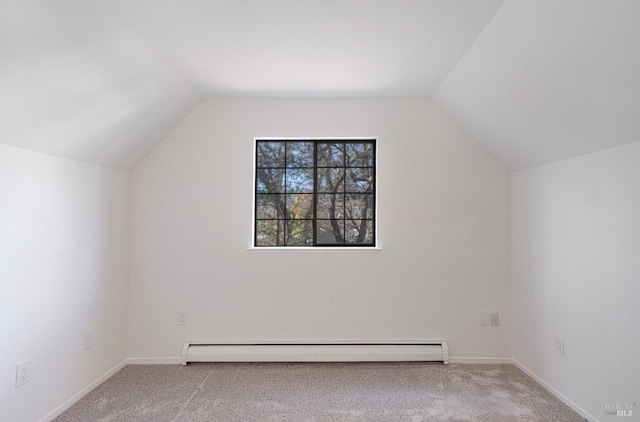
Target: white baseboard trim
x,y
178,360
479,360
64,406
154,361
556,393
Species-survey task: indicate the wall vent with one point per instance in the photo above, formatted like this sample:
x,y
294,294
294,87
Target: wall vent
x,y
339,351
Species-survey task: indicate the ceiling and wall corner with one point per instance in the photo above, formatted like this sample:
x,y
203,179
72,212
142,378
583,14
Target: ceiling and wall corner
x,y
311,49
75,82
104,81
550,80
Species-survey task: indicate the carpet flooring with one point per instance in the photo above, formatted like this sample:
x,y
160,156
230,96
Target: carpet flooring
x,y
319,392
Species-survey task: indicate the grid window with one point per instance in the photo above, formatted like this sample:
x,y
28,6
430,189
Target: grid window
x,y
315,193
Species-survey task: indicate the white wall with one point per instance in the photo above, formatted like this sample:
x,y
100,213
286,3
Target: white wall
x,y
63,272
443,224
575,238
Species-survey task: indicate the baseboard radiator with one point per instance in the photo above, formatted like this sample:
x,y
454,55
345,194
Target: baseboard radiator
x,y
202,351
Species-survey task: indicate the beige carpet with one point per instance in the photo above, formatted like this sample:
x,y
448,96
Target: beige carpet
x,y
319,392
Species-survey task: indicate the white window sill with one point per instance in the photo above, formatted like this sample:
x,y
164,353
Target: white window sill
x,y
310,249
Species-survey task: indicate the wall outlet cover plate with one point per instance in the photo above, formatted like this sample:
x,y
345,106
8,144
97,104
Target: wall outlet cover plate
x,y
23,373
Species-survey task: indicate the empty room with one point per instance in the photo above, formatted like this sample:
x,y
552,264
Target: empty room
x,y
327,211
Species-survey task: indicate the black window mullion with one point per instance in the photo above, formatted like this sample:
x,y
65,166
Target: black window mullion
x,y
315,194
285,225
344,195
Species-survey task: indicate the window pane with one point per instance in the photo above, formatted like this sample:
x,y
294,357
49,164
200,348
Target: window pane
x,y
359,154
330,232
300,180
359,180
359,206
269,180
299,232
270,154
330,155
300,154
270,233
315,192
359,231
300,206
269,206
330,206
331,180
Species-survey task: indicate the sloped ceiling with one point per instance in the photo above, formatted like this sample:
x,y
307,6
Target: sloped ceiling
x,y
310,48
77,83
535,81
104,80
550,79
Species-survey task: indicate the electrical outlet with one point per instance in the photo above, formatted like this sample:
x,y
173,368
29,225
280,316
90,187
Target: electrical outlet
x,y
182,317
485,319
87,341
23,373
495,319
559,345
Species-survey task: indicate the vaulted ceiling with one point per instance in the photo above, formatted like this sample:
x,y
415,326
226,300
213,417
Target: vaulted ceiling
x,y
535,81
550,79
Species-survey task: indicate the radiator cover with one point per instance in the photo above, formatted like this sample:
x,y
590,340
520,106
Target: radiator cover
x,y
338,351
